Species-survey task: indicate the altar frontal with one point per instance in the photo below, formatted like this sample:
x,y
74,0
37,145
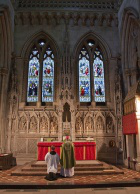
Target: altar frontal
x,y
83,150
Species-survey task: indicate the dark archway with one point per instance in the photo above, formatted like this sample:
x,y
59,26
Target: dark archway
x,y
66,113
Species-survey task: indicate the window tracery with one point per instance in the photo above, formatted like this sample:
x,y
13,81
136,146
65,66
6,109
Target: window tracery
x,y
91,67
41,73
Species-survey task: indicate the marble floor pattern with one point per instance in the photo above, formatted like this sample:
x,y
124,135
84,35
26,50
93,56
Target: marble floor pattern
x,y
128,176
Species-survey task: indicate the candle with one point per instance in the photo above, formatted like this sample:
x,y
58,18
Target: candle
x,y
80,130
41,139
53,130
87,130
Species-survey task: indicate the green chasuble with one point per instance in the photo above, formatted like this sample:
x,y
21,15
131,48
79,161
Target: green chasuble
x,y
67,155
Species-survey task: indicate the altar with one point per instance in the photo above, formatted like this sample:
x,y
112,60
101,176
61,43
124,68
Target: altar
x,y
83,150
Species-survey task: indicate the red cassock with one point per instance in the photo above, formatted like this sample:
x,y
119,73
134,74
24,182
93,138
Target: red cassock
x,y
48,71
82,92
36,72
86,72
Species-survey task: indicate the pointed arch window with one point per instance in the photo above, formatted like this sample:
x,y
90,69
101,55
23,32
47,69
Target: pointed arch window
x,y
98,73
91,67
84,76
48,76
41,73
33,76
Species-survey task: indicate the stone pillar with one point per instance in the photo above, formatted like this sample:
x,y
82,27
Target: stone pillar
x,y
72,124
9,135
3,103
60,127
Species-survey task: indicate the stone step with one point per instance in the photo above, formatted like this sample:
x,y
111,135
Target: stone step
x,y
35,168
76,173
78,164
76,168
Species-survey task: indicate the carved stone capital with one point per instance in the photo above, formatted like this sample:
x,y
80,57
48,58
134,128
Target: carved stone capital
x,y
3,71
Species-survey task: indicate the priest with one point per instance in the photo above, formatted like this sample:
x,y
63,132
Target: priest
x,y
67,160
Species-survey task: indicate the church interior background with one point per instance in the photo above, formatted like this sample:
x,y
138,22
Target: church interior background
x,y
71,68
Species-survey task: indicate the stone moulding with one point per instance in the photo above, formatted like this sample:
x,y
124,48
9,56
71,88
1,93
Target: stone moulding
x,y
66,4
91,18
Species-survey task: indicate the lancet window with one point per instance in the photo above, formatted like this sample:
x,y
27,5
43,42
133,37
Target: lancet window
x,y
91,73
33,76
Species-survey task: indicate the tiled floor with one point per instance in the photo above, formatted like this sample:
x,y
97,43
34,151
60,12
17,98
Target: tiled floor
x,y
128,176
121,190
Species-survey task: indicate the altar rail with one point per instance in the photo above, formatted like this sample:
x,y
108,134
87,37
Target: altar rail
x,y
83,150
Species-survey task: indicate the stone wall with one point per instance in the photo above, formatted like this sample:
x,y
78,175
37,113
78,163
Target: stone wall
x,y
66,29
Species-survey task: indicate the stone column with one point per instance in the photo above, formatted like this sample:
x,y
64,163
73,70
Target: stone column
x,y
9,126
60,127
72,124
3,103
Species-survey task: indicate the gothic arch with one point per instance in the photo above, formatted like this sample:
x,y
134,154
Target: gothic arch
x,y
89,114
99,123
66,116
22,114
33,125
31,40
110,123
106,53
54,124
100,114
44,123
22,124
79,124
79,114
129,16
68,101
25,53
91,35
89,122
129,45
128,13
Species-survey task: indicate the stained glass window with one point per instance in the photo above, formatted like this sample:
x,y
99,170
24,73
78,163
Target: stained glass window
x,y
33,76
48,76
90,43
84,76
91,61
98,72
44,67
